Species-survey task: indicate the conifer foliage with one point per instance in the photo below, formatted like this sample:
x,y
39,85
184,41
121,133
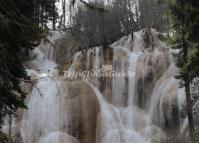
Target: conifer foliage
x,y
19,21
185,15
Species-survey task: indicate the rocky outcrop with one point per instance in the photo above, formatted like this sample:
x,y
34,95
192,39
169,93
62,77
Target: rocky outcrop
x,y
82,109
64,52
151,66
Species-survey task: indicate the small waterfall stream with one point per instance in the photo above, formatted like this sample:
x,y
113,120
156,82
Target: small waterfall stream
x,y
133,59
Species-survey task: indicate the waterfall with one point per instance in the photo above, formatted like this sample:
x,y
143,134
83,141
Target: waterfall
x,y
119,88
69,110
42,117
119,124
166,102
41,61
97,65
133,58
113,127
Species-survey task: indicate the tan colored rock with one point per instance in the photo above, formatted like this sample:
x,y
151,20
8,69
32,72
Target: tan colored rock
x,y
151,66
82,107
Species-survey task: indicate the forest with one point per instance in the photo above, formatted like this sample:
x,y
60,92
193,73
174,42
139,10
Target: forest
x,y
162,51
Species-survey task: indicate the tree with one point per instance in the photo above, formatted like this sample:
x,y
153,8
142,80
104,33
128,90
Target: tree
x,y
117,18
19,21
185,15
110,24
45,13
153,14
193,57
17,32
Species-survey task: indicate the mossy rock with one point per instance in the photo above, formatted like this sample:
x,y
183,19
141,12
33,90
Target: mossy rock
x,y
3,137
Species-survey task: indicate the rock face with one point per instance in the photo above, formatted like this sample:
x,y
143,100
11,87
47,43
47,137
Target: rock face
x,y
138,102
63,52
82,107
151,66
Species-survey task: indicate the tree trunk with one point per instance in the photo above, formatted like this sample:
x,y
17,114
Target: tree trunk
x,y
54,16
64,13
186,79
189,110
10,131
42,16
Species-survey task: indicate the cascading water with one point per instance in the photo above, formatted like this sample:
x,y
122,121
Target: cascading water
x,y
119,88
97,65
43,114
133,58
112,127
63,110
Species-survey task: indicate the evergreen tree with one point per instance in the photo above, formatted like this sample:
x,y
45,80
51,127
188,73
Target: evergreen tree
x,y
16,34
185,17
193,36
19,21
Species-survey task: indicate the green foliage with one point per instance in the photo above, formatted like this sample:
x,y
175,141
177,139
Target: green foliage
x,y
20,29
186,24
16,39
21,23
184,14
3,137
193,60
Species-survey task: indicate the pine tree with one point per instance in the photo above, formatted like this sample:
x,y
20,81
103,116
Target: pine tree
x,y
19,21
17,32
185,15
193,36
